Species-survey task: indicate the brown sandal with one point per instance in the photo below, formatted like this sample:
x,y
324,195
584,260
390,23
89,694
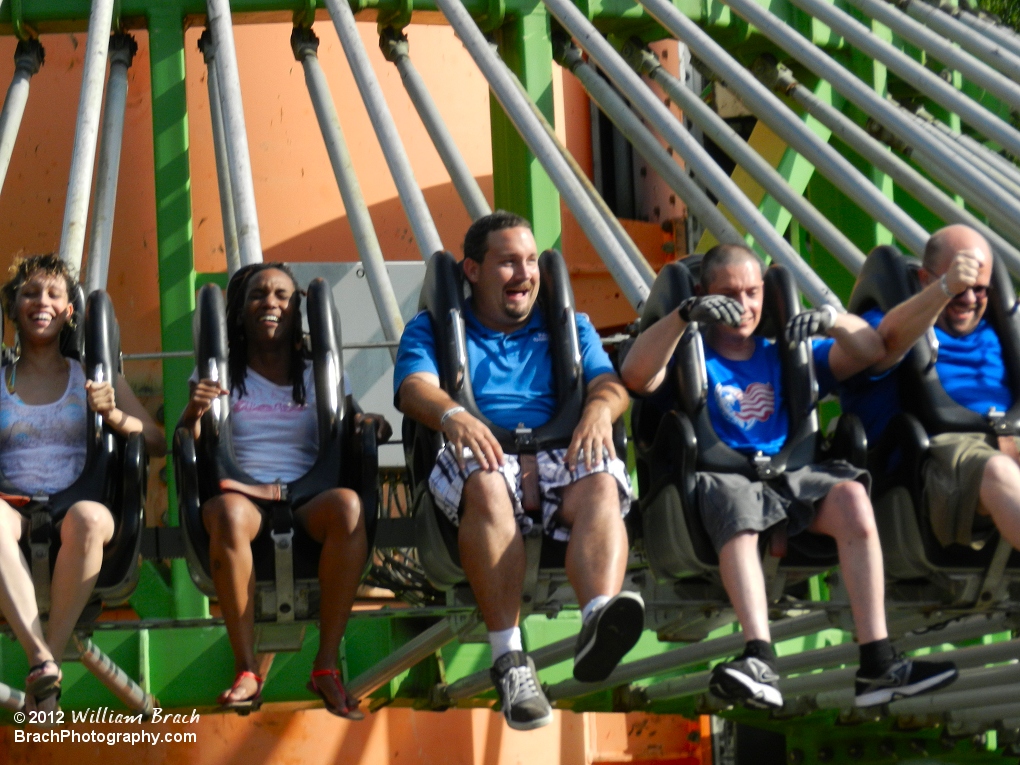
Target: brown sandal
x,y
350,709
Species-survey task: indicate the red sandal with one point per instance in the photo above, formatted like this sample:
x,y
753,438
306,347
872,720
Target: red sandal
x,y
242,706
350,709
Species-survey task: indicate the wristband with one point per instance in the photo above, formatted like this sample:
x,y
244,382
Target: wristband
x,y
448,414
944,284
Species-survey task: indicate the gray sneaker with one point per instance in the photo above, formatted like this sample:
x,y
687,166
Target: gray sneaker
x,y
525,706
906,677
607,636
748,680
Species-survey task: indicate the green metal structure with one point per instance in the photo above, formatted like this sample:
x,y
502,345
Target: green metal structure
x,y
181,655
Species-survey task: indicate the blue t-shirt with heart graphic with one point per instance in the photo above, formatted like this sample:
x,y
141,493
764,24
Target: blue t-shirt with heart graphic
x,y
745,401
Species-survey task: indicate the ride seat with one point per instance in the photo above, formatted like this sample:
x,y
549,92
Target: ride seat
x,y
286,558
910,547
444,297
672,446
115,472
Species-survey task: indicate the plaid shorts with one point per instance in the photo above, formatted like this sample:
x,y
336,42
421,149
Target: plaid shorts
x,y
447,485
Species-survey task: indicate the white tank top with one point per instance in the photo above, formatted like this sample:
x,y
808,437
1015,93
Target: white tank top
x,y
43,447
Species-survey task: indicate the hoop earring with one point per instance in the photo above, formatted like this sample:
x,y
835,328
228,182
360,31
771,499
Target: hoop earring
x,y
72,322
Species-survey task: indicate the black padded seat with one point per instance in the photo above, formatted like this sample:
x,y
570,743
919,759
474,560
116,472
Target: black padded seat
x,y
115,472
444,297
673,445
911,549
345,459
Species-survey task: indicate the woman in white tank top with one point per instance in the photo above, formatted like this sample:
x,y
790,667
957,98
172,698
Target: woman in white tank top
x,y
44,399
275,436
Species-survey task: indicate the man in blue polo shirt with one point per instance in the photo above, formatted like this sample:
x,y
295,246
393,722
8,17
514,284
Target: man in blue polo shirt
x,y
969,484
746,408
585,491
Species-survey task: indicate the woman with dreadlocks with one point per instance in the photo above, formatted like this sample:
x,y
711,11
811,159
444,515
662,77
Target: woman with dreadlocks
x,y
43,404
274,431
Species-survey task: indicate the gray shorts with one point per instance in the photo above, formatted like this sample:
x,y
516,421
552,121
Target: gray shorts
x,y
731,503
447,485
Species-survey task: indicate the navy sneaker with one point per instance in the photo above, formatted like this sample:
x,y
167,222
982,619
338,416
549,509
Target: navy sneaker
x,y
607,636
905,677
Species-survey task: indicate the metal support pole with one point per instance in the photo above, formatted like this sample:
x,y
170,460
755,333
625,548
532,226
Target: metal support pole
x,y
11,698
422,226
983,46
857,138
940,48
1004,172
249,241
97,270
647,145
1007,38
394,47
405,657
695,653
86,133
505,88
957,173
306,45
208,48
988,713
788,126
635,255
649,106
28,58
114,678
913,73
716,128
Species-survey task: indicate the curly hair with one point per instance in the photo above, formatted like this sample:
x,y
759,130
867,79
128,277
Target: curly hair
x,y
237,341
24,268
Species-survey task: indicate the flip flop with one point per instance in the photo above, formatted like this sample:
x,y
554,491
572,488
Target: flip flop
x,y
350,710
40,683
243,706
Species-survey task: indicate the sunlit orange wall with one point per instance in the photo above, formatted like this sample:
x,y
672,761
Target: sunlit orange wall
x,y
390,736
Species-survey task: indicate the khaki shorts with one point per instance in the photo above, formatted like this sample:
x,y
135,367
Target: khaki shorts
x,y
952,487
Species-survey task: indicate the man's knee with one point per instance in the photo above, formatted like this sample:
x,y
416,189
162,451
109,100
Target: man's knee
x,y
850,502
1003,472
596,495
486,495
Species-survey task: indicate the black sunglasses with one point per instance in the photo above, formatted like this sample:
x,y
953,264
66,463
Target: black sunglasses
x,y
980,292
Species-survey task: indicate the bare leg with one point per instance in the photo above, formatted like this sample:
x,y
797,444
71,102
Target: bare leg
x,y
17,594
597,551
492,549
233,522
1000,497
846,515
744,581
334,519
86,529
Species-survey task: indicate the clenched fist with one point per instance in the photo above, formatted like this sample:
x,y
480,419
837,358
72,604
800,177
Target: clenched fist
x,y
807,324
711,309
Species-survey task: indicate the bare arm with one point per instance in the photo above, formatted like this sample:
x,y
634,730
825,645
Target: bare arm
x,y
122,411
607,401
857,346
904,324
423,400
644,369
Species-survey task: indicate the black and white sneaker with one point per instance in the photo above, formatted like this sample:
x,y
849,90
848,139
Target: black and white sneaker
x,y
905,677
525,706
607,636
748,680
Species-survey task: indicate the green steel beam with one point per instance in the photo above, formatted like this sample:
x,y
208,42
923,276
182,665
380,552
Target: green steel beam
x,y
174,244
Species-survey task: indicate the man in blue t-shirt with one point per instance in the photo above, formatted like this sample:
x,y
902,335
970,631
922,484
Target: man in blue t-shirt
x,y
584,489
969,485
747,411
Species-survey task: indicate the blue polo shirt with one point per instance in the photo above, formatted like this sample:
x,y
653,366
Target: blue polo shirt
x,y
970,368
511,374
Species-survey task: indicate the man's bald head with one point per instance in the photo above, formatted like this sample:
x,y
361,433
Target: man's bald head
x,y
723,255
946,242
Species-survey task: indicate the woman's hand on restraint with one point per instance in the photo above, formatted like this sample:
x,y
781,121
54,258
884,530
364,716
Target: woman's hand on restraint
x,y
203,393
465,430
101,397
593,437
383,429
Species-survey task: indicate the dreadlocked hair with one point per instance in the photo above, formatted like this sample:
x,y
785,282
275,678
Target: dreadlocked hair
x,y
22,270
237,341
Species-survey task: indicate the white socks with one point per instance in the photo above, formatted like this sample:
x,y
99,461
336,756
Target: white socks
x,y
593,605
505,641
